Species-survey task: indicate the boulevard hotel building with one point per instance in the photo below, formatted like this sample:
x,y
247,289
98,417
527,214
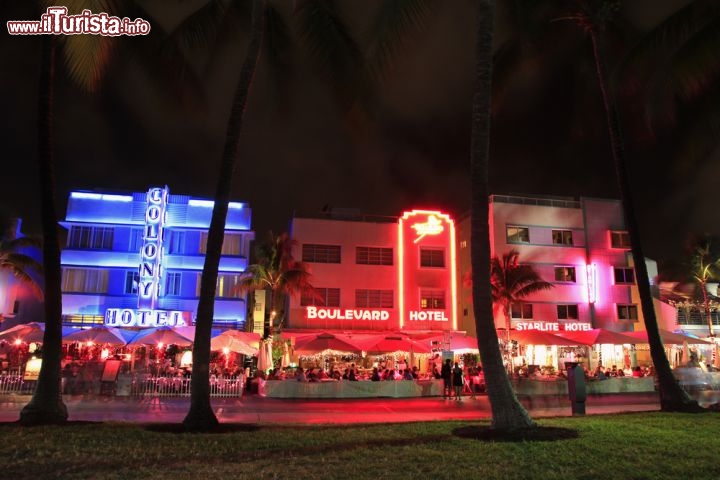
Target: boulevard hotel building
x,y
134,260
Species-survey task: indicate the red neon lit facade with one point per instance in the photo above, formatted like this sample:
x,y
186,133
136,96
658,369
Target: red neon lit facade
x,y
378,274
426,271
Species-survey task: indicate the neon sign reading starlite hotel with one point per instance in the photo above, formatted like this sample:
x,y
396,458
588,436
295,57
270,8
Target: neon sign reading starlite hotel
x,y
149,272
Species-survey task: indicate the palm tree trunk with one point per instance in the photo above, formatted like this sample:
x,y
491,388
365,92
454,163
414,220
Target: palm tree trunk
x,y
706,302
672,397
46,405
507,412
201,417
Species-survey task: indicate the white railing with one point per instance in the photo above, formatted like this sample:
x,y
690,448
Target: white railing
x,y
161,386
12,382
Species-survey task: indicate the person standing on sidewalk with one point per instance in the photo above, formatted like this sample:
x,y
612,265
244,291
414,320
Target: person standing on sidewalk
x,y
457,380
446,374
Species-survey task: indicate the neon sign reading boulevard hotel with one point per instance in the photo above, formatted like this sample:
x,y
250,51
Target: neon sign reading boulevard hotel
x,y
150,272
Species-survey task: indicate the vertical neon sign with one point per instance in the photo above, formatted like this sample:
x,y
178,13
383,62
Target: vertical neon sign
x,y
419,229
592,285
151,253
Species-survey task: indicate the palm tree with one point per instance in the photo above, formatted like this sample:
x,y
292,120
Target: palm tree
x,y
201,417
18,264
86,59
705,266
507,412
278,273
676,68
512,281
593,18
46,405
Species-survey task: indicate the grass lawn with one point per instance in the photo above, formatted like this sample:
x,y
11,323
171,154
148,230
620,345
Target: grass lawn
x,y
638,446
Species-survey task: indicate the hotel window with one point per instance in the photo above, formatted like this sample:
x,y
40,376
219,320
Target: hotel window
x,y
373,256
565,274
562,237
619,239
97,238
374,298
227,286
131,282
432,299
627,312
176,242
624,275
172,283
521,310
567,312
320,253
432,257
82,280
232,244
136,240
323,297
518,235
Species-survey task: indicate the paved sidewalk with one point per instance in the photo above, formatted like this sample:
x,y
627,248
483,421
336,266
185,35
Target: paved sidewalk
x,y
252,409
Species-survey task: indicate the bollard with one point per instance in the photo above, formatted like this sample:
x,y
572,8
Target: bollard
x,y
576,387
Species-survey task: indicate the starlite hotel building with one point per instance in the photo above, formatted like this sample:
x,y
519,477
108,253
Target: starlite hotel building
x,y
135,260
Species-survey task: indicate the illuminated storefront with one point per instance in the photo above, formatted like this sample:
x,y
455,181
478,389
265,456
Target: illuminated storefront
x,y
135,260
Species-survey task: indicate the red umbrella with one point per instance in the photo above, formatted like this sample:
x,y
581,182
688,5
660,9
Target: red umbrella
x,y
457,343
537,337
382,343
326,341
668,337
598,336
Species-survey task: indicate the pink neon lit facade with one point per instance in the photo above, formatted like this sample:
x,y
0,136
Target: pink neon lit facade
x,y
378,273
578,246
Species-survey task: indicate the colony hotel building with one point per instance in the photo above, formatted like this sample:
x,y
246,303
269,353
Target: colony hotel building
x,y
408,273
135,260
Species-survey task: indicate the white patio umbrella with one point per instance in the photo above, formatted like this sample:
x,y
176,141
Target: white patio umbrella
x,y
157,335
101,335
26,332
265,356
233,341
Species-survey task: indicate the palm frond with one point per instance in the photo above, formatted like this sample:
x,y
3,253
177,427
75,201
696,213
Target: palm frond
x,y
331,45
391,27
201,28
277,49
163,60
511,281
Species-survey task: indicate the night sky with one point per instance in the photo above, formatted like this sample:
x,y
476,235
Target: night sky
x,y
404,146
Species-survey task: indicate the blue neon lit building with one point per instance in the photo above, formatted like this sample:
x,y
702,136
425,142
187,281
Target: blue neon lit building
x,y
135,260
